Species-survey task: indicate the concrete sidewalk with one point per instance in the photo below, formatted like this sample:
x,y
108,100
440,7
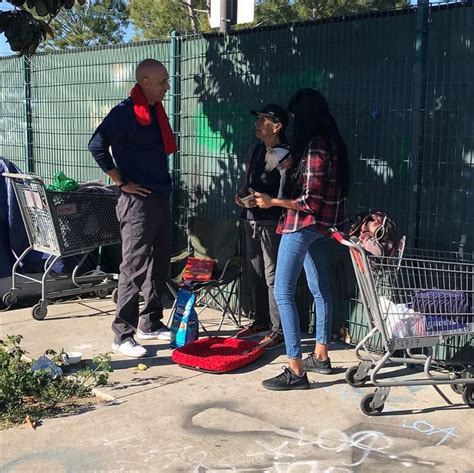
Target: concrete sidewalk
x,y
169,419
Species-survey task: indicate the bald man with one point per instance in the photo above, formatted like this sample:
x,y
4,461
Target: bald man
x,y
131,147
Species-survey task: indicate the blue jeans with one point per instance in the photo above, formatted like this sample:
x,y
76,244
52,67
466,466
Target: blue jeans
x,y
304,248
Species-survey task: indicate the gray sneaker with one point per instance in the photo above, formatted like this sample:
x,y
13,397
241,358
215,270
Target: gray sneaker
x,y
161,334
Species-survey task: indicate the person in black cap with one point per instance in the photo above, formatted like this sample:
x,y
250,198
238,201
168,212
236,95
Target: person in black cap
x,y
319,182
264,174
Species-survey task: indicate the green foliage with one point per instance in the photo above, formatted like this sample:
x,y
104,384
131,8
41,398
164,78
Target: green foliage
x,y
100,374
307,9
274,12
100,22
67,23
23,31
36,394
271,12
157,18
45,7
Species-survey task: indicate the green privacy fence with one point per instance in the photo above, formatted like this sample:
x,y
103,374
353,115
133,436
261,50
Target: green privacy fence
x,y
399,84
47,128
225,78
12,107
446,208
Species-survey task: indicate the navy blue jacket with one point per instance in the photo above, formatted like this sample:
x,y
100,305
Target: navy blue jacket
x,y
137,150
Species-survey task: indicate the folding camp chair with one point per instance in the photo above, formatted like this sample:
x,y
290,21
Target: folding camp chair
x,y
218,240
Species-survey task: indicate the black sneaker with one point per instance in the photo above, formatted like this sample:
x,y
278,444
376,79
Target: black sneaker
x,y
286,381
317,366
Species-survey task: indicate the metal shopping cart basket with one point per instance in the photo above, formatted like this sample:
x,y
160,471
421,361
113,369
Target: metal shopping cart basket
x,y
413,303
63,224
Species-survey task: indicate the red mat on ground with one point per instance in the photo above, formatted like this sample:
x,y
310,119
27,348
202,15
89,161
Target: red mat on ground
x,y
217,354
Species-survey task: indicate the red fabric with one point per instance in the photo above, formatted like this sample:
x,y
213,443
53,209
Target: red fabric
x,y
198,269
320,202
217,354
141,109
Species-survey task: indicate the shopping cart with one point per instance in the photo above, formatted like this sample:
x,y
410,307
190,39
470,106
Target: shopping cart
x,y
413,303
63,224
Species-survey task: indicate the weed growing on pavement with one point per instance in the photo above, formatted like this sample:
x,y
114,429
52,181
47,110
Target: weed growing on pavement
x,y
28,394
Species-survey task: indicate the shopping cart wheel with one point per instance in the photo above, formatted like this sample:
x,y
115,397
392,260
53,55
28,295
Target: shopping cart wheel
x,y
102,293
39,311
350,377
458,388
115,296
468,395
9,298
367,409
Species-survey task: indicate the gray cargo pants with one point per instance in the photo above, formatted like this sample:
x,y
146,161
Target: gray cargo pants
x,y
261,249
145,226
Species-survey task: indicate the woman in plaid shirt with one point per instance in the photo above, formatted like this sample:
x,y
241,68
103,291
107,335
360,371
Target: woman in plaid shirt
x,y
315,202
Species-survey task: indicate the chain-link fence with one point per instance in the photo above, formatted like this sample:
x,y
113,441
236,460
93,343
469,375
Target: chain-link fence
x,y
399,84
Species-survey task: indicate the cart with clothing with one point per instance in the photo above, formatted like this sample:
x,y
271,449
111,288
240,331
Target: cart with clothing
x,y
63,224
413,302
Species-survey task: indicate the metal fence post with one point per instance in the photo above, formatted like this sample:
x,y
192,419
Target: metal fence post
x,y
418,124
29,160
175,110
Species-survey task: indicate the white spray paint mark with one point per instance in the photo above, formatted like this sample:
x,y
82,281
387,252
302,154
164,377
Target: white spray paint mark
x,y
276,453
365,442
426,428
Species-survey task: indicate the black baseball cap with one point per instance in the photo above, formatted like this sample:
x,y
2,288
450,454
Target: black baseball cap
x,y
275,113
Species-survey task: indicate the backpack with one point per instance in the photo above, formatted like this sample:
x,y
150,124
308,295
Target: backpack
x,y
376,232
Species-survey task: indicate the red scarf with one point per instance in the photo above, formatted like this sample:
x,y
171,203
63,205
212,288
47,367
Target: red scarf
x,y
141,109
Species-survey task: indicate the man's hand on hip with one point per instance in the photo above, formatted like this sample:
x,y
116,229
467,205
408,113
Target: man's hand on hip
x,y
132,188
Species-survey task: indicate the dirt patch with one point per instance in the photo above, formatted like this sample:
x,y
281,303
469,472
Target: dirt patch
x,y
39,411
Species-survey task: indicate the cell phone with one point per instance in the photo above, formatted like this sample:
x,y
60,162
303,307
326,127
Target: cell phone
x,y
251,191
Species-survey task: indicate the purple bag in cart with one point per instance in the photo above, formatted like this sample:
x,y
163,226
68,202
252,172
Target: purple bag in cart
x,y
439,302
436,324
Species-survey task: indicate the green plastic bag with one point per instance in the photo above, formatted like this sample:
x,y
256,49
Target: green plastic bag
x,y
62,183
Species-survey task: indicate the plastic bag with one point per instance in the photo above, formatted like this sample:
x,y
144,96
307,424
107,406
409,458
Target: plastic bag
x,y
62,183
184,327
43,363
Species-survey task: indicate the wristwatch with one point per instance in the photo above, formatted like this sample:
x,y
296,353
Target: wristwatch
x,y
123,183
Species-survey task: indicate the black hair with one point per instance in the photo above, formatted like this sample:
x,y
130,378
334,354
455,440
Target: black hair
x,y
312,118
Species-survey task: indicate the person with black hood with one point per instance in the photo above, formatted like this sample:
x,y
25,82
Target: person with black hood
x,y
264,173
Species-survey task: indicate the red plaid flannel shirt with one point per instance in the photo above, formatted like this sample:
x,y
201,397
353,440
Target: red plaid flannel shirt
x,y
320,202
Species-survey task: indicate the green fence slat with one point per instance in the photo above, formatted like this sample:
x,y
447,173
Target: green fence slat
x,y
12,111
